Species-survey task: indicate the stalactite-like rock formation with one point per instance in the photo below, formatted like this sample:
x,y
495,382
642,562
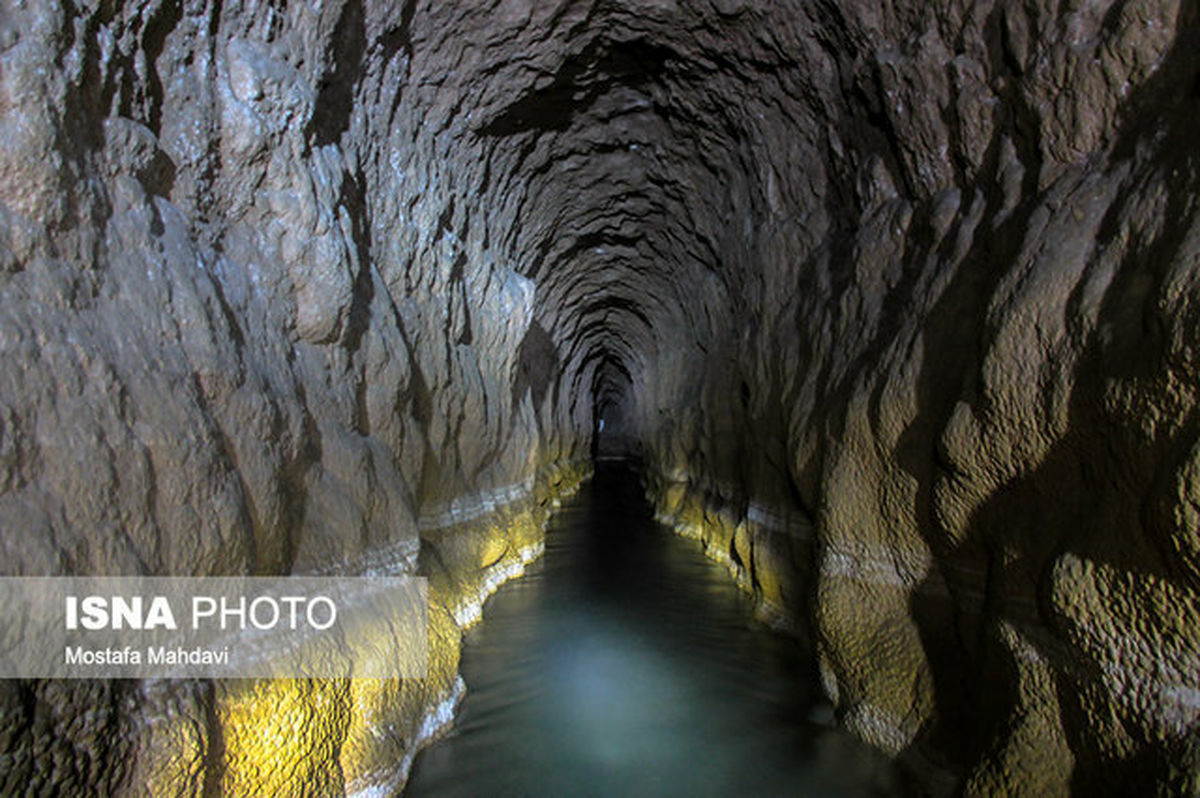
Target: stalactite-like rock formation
x,y
898,304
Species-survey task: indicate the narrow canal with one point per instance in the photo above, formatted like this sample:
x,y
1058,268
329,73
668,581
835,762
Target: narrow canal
x,y
625,663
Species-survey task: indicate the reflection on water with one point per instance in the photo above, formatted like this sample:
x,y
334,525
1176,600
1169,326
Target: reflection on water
x,y
627,664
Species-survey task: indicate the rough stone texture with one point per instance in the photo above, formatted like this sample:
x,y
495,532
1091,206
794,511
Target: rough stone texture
x,y
242,331
897,303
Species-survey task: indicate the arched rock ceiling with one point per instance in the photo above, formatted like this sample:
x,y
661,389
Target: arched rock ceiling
x,y
629,157
896,299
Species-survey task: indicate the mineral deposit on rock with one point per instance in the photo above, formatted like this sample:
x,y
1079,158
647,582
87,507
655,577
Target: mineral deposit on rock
x,y
897,302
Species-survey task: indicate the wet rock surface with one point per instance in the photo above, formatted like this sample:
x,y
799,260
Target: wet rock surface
x,y
897,303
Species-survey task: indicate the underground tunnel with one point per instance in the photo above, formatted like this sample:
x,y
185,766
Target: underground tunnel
x,y
891,308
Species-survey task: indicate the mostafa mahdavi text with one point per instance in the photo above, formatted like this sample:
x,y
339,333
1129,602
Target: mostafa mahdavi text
x,y
97,613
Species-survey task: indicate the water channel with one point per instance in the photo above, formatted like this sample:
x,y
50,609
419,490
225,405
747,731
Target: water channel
x,y
625,663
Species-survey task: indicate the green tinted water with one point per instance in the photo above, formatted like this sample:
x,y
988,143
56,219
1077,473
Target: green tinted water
x,y
625,663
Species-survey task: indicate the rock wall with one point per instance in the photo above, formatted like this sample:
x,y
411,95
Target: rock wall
x,y
253,320
943,417
896,302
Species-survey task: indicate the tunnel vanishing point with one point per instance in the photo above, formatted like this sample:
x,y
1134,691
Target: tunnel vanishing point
x,y
897,304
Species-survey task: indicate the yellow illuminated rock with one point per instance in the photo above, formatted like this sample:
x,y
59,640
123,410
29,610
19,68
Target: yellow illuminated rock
x,y
894,305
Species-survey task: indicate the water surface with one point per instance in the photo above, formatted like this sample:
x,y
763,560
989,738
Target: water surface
x,y
625,663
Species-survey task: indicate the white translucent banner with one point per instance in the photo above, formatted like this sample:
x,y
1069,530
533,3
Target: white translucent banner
x,y
212,627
